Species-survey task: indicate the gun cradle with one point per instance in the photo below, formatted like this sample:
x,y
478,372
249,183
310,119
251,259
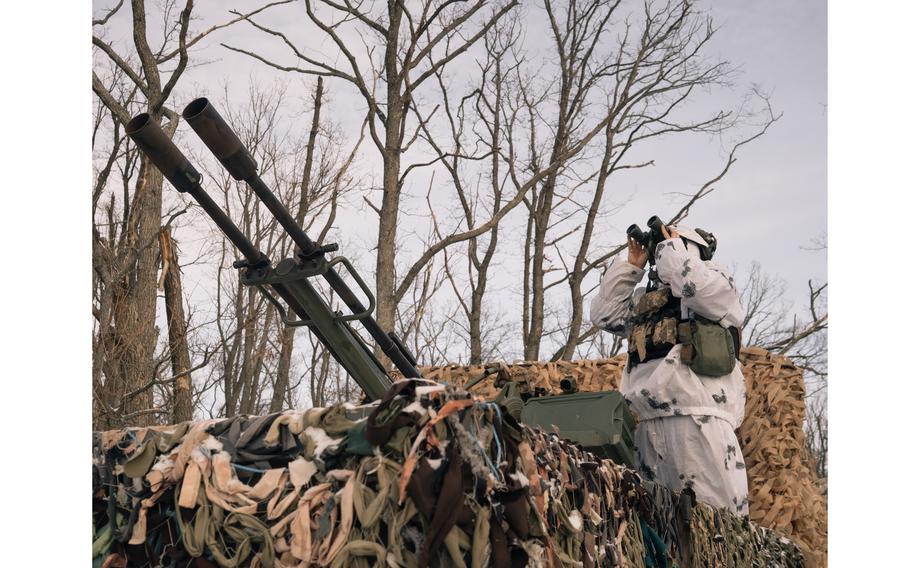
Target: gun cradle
x,y
289,278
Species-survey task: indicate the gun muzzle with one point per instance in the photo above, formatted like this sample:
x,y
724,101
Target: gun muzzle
x,y
160,149
220,139
568,385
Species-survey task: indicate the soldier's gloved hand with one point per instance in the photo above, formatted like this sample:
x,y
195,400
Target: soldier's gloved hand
x,y
669,232
638,255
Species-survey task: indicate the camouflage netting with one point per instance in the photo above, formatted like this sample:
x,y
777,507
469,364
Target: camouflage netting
x,y
431,477
784,491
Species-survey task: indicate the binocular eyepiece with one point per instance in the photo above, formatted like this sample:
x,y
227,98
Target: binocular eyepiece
x,y
635,232
650,238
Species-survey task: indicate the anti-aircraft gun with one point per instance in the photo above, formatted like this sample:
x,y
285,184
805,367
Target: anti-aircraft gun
x,y
288,278
599,422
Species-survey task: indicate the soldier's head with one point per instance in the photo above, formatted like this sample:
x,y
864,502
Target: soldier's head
x,y
699,243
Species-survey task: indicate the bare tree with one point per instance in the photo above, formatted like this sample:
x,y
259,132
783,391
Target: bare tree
x,y
518,127
488,108
772,323
404,48
176,327
129,77
125,236
647,71
311,175
765,309
416,313
817,435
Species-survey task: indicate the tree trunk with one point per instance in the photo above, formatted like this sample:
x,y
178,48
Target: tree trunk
x,y
541,215
388,215
526,283
254,392
475,318
538,255
176,329
232,368
578,269
247,363
283,378
135,315
385,248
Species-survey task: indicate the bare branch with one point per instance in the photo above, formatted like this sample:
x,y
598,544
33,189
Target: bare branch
x,y
110,13
240,18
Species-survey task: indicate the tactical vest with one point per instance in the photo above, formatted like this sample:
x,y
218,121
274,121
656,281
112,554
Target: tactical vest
x,y
709,348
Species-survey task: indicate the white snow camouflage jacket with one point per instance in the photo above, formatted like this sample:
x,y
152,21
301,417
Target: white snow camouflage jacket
x,y
666,387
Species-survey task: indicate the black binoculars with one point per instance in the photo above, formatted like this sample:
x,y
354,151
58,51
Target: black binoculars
x,y
648,239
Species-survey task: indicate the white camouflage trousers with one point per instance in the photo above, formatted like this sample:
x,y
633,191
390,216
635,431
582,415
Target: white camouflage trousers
x,y
712,463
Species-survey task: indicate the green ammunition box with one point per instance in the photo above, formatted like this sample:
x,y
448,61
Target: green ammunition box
x,y
597,421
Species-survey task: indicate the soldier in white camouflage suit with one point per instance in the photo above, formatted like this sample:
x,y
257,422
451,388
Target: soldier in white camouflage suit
x,y
686,436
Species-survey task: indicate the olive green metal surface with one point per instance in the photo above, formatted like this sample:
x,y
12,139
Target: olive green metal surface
x,y
599,422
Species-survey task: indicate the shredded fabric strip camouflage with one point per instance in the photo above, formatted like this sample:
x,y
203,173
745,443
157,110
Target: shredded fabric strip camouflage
x,y
428,476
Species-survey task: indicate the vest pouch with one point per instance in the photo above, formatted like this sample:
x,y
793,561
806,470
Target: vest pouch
x,y
654,324
712,353
638,340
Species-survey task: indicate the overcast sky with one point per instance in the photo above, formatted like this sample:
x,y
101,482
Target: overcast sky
x,y
775,200
771,204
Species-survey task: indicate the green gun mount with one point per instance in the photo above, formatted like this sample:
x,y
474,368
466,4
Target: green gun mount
x,y
290,278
